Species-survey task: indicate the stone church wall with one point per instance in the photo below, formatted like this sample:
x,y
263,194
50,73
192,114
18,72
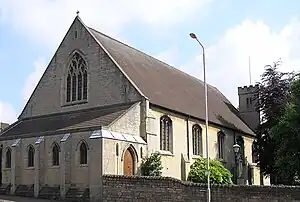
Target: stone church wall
x,y
121,188
177,163
128,123
79,174
113,152
74,173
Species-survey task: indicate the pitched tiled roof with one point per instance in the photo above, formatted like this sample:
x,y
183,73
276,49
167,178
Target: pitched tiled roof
x,y
55,123
169,87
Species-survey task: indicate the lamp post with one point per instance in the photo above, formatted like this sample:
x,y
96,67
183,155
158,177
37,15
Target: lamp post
x,y
236,149
193,36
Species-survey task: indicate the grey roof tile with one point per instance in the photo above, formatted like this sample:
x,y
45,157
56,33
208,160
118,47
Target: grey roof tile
x,y
171,88
102,116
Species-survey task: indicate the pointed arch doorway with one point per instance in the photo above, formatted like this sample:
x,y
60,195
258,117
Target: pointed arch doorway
x,y
128,162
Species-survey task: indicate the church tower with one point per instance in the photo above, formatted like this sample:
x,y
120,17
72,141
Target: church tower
x,y
247,105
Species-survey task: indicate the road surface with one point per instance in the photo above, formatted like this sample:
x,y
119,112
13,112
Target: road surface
x,y
4,198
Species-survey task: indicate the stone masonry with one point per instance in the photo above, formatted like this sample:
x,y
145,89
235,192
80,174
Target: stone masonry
x,y
106,84
122,188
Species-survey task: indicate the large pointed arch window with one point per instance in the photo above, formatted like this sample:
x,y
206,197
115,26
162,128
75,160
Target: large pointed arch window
x,y
76,86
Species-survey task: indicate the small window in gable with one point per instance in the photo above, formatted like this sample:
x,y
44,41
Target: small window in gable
x,y
166,134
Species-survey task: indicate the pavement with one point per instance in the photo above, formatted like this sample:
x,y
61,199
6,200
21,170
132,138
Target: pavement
x,y
4,198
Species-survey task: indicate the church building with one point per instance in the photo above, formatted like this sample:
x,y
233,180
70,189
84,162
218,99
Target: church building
x,y
101,106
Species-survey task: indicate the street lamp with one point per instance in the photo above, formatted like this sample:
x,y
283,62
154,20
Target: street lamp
x,y
193,36
236,149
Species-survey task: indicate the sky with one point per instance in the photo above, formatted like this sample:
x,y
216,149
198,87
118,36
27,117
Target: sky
x,y
232,31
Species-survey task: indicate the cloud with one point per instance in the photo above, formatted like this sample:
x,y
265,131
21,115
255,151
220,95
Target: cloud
x,y
7,113
39,18
227,60
33,78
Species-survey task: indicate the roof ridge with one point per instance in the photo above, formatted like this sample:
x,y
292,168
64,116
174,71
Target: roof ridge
x,y
148,55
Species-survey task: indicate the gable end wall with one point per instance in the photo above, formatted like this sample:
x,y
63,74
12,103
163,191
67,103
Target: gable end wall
x,y
106,84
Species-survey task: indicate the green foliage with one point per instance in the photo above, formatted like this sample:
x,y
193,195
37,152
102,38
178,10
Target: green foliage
x,y
286,135
274,93
151,166
218,173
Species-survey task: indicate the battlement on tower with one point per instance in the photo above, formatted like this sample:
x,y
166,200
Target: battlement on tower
x,y
248,89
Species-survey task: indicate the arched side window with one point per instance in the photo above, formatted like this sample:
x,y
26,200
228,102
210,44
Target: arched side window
x,y
117,149
221,142
55,154
197,139
83,153
166,134
30,156
76,86
8,158
255,156
141,152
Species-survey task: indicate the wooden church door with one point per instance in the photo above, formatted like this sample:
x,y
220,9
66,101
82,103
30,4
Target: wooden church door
x,y
128,163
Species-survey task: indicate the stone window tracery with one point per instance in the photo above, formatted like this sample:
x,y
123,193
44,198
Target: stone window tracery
x,y
76,85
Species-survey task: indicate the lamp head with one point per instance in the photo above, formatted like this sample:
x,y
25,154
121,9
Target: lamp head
x,y
193,36
236,148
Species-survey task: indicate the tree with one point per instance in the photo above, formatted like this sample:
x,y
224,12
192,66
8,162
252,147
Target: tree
x,y
151,166
218,173
274,93
286,135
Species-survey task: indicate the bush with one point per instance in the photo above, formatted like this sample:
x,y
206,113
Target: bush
x,y
151,166
218,173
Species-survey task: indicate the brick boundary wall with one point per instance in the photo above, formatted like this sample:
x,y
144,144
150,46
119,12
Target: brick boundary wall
x,y
167,189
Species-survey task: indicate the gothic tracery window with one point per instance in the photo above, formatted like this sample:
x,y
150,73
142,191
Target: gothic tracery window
x,y
166,133
76,79
197,139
